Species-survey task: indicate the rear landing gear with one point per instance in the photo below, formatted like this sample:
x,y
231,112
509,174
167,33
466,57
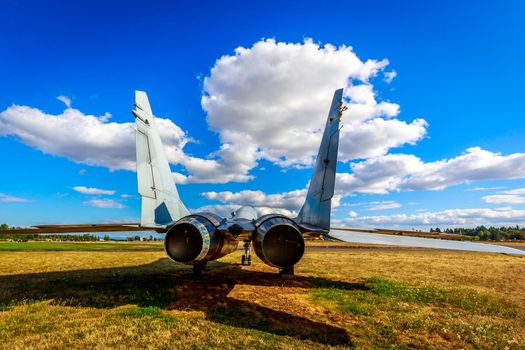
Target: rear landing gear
x,y
247,256
287,271
198,268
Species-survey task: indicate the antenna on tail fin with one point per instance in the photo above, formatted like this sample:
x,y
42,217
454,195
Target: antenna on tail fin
x,y
315,213
161,204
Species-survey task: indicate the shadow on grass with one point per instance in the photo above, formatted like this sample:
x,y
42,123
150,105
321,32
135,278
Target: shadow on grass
x,y
165,285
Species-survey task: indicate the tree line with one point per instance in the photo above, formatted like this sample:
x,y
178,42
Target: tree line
x,y
63,237
34,237
491,233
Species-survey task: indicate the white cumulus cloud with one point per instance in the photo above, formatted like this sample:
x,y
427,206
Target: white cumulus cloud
x,y
93,190
395,172
374,138
389,76
225,210
285,202
291,201
270,101
66,100
86,139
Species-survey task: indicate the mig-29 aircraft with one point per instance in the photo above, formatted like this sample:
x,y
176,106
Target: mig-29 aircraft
x,y
197,238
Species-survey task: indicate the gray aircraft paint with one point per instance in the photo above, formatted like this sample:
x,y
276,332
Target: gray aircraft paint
x,y
161,204
405,241
316,208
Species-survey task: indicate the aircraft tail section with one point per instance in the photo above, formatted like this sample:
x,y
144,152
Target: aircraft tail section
x,y
161,204
315,213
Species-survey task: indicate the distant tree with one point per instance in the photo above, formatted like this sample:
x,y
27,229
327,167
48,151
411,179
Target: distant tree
x,y
438,230
4,227
106,238
484,234
519,235
494,235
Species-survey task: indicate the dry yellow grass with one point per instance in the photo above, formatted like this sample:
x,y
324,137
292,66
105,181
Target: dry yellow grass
x,y
513,244
361,299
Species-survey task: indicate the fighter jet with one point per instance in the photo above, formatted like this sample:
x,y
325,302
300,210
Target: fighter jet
x,y
197,238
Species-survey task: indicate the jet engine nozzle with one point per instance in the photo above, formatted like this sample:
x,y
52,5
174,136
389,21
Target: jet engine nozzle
x,y
278,241
195,239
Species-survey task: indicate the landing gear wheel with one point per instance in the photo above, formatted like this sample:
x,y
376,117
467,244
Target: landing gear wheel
x,y
287,271
246,259
198,268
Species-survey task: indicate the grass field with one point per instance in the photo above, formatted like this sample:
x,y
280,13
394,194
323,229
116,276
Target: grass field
x,y
82,246
358,299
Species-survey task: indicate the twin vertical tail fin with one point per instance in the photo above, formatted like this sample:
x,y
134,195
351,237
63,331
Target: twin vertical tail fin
x,y
315,213
161,204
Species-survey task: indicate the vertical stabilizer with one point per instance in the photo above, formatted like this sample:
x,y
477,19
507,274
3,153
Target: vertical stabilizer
x,y
315,213
161,204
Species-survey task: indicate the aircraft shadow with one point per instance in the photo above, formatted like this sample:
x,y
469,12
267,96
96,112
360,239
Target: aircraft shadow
x,y
172,287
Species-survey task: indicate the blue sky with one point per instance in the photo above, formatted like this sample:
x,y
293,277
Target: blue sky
x,y
458,70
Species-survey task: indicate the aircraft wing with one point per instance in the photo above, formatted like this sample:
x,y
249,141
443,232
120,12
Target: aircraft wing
x,y
371,236
77,228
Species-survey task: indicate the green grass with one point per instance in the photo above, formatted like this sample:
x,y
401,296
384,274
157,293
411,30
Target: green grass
x,y
74,246
387,293
149,313
391,309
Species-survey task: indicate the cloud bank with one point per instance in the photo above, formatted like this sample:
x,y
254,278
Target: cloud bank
x,y
450,217
396,172
86,139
